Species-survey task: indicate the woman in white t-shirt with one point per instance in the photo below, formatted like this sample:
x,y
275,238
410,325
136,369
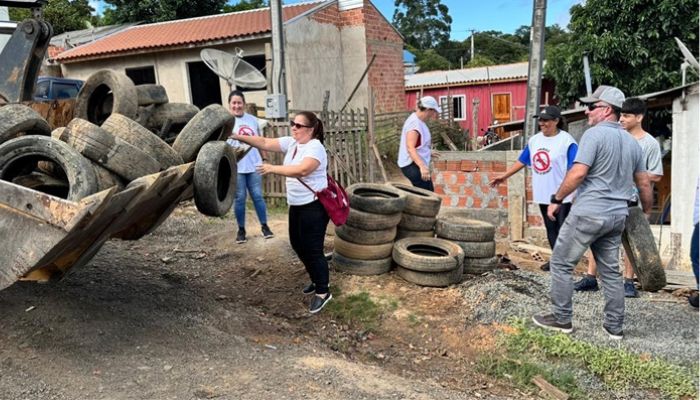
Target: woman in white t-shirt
x,y
550,154
415,147
305,158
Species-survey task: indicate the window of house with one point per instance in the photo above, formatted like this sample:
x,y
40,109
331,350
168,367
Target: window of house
x,y
141,75
458,108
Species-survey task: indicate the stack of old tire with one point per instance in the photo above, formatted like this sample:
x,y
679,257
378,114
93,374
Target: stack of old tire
x,y
363,246
111,142
419,216
474,237
428,261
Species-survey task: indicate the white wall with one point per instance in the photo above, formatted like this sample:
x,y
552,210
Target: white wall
x,y
685,153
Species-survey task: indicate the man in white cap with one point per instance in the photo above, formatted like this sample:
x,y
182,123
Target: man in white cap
x,y
415,147
608,164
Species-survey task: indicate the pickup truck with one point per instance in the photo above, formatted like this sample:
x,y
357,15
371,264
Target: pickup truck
x,y
52,88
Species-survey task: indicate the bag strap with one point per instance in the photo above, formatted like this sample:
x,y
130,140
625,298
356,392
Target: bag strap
x,y
307,186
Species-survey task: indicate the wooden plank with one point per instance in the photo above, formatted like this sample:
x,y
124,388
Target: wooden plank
x,y
385,177
530,248
549,389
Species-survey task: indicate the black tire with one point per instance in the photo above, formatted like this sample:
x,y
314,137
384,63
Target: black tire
x,y
362,251
407,233
432,279
133,133
427,254
460,228
215,174
478,266
376,198
105,149
421,202
176,113
361,236
19,156
106,178
416,223
372,222
106,92
360,267
477,249
18,119
214,122
148,94
640,246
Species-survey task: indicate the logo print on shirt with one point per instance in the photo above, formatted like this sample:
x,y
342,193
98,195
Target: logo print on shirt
x,y
541,162
245,130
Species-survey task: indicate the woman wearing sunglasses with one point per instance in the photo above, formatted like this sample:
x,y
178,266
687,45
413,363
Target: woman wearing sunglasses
x,y
304,158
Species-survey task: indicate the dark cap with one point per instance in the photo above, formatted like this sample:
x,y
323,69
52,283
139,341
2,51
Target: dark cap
x,y
549,112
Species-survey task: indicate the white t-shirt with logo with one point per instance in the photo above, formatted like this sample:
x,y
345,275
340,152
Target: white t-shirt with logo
x,y
549,158
298,194
413,123
247,125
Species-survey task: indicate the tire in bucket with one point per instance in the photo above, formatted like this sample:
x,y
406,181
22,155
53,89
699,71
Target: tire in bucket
x,y
427,254
421,202
19,157
362,251
18,119
641,249
376,198
214,181
460,228
360,267
433,279
106,92
478,266
213,123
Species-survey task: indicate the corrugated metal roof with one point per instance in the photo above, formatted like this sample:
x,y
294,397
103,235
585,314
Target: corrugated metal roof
x,y
185,32
467,76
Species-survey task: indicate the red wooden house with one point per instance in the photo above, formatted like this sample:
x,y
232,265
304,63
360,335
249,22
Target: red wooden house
x,y
500,89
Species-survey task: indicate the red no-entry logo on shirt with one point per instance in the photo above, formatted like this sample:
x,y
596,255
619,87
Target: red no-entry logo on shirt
x,y
245,130
541,161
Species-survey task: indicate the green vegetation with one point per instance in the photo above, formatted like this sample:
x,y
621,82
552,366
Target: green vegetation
x,y
530,351
358,309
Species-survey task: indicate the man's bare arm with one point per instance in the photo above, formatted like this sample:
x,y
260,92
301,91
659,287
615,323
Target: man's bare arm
x,y
641,179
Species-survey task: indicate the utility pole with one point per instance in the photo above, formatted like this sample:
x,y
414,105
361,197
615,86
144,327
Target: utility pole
x,y
472,45
276,103
534,74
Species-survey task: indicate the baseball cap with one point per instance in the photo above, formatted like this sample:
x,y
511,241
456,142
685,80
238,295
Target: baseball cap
x,y
608,94
430,102
549,112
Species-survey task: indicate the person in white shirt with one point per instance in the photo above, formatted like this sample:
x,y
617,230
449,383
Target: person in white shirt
x,y
549,153
305,159
415,147
248,180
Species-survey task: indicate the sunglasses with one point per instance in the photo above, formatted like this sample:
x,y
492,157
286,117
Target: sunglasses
x,y
592,107
298,126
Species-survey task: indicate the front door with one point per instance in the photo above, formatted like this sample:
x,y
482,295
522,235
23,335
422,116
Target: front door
x,y
501,107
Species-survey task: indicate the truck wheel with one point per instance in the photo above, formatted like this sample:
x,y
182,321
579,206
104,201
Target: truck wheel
x,y
20,156
214,122
106,92
105,149
427,254
360,267
641,249
138,136
421,202
215,173
18,119
148,94
376,198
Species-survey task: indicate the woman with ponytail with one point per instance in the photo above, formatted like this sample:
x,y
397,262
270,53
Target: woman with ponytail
x,y
305,159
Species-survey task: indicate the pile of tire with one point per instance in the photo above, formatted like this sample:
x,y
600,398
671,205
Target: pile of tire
x,y
106,146
428,261
474,237
363,246
419,215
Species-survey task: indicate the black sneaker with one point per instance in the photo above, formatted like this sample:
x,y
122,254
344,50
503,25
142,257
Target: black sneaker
x,y
545,266
318,302
587,283
240,237
693,300
615,335
630,290
266,232
549,321
309,289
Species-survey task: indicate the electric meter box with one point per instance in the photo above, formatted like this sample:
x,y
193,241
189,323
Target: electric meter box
x,y
275,106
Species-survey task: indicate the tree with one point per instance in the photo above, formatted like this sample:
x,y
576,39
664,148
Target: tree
x,y
148,11
430,60
244,5
629,44
63,15
425,24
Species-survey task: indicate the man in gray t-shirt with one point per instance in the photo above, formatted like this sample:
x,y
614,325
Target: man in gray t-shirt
x,y
608,164
631,117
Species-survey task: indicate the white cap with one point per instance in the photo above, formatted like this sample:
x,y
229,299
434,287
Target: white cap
x,y
429,102
608,94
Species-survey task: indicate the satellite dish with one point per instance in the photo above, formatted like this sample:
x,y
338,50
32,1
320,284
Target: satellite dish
x,y
233,69
689,58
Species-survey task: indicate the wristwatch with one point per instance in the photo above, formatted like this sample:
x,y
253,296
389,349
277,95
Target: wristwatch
x,y
553,200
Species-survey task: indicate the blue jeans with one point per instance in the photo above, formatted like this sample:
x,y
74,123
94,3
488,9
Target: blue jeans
x,y
412,172
694,252
249,183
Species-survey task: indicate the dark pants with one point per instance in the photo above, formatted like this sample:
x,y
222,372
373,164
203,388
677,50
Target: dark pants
x,y
307,229
553,227
412,172
694,252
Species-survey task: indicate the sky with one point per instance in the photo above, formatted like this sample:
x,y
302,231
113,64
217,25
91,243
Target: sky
x,y
482,15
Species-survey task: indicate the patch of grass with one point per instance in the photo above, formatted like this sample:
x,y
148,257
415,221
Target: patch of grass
x,y
618,368
414,320
356,309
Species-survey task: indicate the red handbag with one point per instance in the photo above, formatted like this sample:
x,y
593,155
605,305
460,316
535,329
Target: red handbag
x,y
334,200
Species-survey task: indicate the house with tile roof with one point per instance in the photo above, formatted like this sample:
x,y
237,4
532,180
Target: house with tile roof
x,y
328,45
